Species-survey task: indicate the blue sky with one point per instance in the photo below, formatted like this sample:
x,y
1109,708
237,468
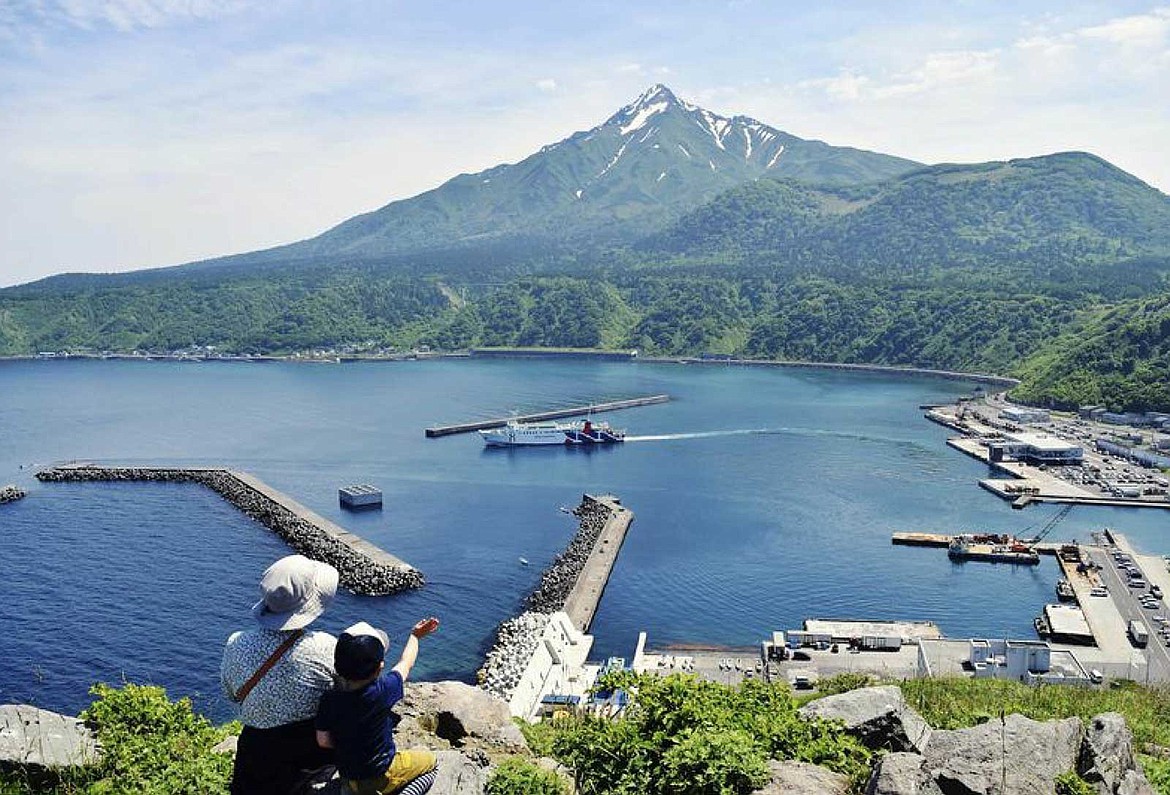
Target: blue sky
x,y
137,133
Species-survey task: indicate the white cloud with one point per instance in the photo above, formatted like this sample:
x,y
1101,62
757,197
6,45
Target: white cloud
x,y
547,84
127,15
1139,30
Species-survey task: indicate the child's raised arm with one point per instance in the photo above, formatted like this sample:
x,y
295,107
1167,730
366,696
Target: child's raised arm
x,y
410,652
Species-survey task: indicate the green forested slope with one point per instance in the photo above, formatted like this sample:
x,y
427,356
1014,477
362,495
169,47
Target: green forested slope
x,y
1055,269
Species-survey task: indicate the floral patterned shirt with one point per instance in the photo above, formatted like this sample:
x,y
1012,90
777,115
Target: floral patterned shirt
x,y
289,692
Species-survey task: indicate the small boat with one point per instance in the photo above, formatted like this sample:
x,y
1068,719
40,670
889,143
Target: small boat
x,y
1065,592
523,561
523,434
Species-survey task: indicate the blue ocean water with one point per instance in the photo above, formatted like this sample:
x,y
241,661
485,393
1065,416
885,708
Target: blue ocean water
x,y
788,515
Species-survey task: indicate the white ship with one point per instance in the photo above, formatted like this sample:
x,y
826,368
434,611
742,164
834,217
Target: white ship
x,y
516,434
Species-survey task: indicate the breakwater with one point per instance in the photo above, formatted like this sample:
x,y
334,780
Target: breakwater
x,y
10,494
517,638
362,567
551,414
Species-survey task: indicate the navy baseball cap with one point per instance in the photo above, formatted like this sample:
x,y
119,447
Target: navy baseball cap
x,y
360,649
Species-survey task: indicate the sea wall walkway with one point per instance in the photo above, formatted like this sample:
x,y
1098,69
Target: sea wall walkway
x,y
363,567
573,583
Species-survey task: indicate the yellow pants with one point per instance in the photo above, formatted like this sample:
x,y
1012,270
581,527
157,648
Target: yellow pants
x,y
405,767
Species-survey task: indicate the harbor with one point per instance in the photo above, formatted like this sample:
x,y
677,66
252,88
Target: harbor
x,y
1040,456
363,567
436,431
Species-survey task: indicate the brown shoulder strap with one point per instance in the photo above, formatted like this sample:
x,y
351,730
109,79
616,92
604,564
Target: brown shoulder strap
x,y
272,660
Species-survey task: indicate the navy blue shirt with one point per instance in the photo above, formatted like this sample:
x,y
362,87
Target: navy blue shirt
x,y
362,725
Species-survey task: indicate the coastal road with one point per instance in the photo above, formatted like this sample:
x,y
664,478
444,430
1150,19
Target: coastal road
x,y
1126,600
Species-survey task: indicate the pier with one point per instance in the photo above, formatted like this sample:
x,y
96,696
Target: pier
x,y
586,594
543,650
363,567
551,414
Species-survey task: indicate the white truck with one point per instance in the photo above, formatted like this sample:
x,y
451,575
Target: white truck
x,y
1138,635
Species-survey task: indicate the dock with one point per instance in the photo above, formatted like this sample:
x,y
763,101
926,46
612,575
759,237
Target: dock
x,y
551,414
363,567
944,541
583,599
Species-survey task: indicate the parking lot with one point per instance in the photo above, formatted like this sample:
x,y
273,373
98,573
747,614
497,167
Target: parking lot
x,y
1137,586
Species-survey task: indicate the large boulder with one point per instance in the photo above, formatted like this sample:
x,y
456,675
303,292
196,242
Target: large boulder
x,y
1004,757
460,774
1106,753
462,715
901,774
1134,783
802,778
39,739
878,716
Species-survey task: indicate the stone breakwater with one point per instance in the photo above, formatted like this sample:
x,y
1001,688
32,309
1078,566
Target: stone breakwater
x,y
516,640
558,579
362,567
518,637
10,494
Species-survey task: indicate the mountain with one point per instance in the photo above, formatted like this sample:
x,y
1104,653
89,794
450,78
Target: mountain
x,y
1067,208
652,160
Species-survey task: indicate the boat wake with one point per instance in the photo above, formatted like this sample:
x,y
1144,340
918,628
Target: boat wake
x,y
669,437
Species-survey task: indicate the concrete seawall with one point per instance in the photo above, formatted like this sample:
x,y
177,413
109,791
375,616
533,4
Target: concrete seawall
x,y
363,567
573,583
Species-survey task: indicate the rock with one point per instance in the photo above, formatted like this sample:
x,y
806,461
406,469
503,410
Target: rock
x,y
1015,755
1134,783
227,745
459,775
901,774
38,738
1106,753
801,778
878,716
458,712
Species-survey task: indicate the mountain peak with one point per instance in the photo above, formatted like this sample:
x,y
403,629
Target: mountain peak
x,y
651,102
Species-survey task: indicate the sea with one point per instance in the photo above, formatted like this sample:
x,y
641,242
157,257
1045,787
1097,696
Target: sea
x,y
762,496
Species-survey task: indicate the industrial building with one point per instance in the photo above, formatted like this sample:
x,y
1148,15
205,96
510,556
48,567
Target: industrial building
x,y
1035,448
1032,662
1025,415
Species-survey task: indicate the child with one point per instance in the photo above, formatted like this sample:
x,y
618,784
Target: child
x,y
355,718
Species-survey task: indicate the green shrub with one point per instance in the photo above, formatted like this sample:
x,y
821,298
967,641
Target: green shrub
x,y
516,776
686,735
843,683
1071,784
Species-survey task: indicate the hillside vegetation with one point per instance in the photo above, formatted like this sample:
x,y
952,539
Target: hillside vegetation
x,y
685,735
1053,269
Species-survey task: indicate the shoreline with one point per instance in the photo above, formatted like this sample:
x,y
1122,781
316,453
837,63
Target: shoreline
x,y
535,353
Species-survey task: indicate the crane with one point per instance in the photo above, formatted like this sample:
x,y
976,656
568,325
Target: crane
x,y
1051,523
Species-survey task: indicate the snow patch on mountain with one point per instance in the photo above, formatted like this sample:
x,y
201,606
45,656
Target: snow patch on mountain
x,y
643,115
621,151
775,157
684,151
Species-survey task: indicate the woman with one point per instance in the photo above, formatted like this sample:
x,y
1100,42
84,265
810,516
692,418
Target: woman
x,y
277,673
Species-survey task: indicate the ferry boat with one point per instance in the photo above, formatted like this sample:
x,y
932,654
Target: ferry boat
x,y
518,434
